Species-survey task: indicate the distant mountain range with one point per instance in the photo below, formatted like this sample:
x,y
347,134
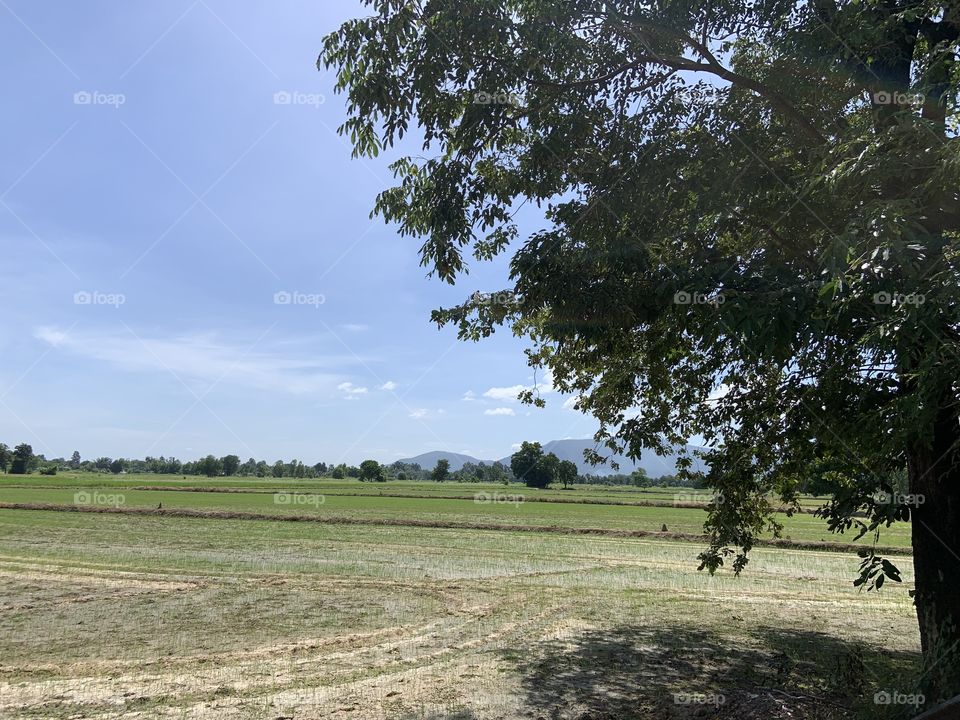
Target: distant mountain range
x,y
572,450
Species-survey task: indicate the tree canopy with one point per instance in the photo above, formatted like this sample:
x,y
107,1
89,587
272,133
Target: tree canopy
x,y
750,234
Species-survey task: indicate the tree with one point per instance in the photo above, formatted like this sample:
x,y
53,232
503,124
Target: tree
x,y
339,472
734,201
210,466
532,467
566,472
117,466
442,470
75,459
229,464
278,469
5,456
22,457
371,470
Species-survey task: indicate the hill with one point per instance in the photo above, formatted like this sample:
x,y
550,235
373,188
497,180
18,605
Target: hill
x,y
568,449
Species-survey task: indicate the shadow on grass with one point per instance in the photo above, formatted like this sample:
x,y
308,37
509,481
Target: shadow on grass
x,y
677,672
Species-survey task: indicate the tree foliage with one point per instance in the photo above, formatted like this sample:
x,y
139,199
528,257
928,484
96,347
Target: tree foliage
x,y
751,217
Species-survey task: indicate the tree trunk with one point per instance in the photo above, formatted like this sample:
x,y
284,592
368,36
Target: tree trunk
x,y
934,472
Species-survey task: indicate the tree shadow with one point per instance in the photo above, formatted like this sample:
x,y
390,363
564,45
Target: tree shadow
x,y
632,672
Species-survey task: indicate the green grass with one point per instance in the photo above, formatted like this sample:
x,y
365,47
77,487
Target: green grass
x,y
352,499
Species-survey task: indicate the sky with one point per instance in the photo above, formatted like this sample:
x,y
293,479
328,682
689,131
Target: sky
x,y
189,263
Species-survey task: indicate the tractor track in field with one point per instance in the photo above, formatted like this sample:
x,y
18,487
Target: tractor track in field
x,y
441,524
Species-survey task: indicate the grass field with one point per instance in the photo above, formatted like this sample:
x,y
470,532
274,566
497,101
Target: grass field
x,y
142,616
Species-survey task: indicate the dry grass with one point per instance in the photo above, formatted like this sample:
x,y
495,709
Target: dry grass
x,y
140,616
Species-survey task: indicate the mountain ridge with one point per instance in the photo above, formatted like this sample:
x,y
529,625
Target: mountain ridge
x,y
569,449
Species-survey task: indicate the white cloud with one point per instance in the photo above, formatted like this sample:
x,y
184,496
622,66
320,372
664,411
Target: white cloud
x,y
505,393
202,358
424,413
389,386
469,396
499,411
350,390
355,327
509,394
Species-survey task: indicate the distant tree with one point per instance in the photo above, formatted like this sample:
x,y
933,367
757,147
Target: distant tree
x,y
339,472
371,470
102,464
209,466
441,471
117,466
22,456
229,464
532,467
566,472
49,470
5,456
75,459
321,469
640,478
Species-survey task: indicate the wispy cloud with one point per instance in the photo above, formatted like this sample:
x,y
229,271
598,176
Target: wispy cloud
x,y
203,358
350,390
499,411
389,386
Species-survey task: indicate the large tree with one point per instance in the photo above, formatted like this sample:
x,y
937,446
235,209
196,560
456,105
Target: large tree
x,y
750,232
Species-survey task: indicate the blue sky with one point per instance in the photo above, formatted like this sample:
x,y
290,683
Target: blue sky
x,y
167,169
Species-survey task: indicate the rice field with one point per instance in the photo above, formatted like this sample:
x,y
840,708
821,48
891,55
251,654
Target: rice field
x,y
155,616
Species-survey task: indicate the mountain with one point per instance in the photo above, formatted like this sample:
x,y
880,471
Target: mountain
x,y
569,449
428,460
